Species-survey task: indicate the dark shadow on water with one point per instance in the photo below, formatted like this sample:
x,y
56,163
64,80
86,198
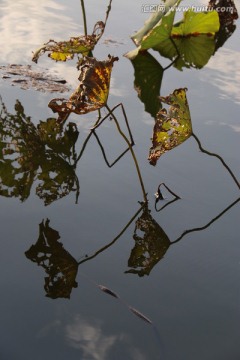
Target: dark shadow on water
x,y
60,267
151,246
44,154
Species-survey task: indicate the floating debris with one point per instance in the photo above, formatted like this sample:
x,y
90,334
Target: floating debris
x,y
27,78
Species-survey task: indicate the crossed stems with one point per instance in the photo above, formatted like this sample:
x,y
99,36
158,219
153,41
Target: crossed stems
x,y
130,142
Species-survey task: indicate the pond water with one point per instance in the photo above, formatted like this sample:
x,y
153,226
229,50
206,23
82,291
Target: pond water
x,y
185,280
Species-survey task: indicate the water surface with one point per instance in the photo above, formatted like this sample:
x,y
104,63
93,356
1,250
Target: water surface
x,y
192,294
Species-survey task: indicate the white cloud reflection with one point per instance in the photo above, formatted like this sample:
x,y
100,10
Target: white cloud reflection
x,y
225,74
26,24
89,338
234,127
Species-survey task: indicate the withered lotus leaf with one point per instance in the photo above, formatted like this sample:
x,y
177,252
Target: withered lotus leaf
x,y
92,92
65,50
172,127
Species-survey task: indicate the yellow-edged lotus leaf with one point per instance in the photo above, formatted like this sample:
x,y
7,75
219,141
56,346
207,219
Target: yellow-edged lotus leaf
x,y
65,50
172,127
58,56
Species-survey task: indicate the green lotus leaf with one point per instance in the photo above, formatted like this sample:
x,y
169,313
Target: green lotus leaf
x,y
194,51
154,19
148,78
195,23
160,32
191,43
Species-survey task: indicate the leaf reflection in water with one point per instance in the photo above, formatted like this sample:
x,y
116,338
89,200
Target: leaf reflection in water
x,y
61,268
153,243
150,247
28,153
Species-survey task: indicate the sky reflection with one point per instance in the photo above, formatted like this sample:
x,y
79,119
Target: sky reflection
x,y
88,338
225,73
26,24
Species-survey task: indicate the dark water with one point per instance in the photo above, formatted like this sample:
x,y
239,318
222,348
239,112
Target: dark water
x,y
191,295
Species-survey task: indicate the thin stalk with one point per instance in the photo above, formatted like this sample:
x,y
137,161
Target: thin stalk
x,y
159,197
104,154
219,157
177,57
86,140
132,152
108,11
208,224
171,192
84,17
115,239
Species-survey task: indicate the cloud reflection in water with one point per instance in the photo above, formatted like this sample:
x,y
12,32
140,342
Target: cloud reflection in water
x,y
225,73
26,24
89,338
